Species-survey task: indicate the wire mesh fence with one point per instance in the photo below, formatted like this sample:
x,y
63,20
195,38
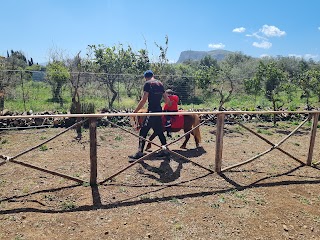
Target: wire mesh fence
x,y
34,90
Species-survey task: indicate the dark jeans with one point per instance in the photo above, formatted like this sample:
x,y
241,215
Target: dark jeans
x,y
168,118
155,123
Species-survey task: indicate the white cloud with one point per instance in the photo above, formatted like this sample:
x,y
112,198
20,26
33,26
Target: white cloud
x,y
308,56
263,44
305,56
294,55
264,56
239,30
216,45
257,36
272,31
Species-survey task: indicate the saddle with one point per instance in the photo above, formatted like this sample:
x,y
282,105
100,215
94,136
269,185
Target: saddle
x,y
177,121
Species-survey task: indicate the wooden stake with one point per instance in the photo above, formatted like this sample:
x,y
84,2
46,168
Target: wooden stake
x,y
313,137
219,142
93,151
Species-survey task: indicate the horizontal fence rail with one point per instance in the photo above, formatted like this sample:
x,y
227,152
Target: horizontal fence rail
x,y
124,114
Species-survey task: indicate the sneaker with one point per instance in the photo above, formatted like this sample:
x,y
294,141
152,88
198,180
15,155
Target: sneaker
x,y
136,156
168,124
169,135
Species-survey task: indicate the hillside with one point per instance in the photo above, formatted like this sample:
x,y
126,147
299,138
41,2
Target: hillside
x,y
198,55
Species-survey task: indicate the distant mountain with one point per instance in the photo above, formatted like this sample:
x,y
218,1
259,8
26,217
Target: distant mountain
x,y
198,55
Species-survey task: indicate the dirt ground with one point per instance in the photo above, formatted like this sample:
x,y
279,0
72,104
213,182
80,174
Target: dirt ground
x,y
272,197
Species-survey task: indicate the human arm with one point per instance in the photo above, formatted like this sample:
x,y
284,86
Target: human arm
x,y
167,99
142,102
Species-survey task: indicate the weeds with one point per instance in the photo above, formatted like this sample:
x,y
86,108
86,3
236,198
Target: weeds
x,y
86,184
178,226
304,200
260,201
2,182
175,201
49,197
67,205
123,190
264,131
43,148
118,138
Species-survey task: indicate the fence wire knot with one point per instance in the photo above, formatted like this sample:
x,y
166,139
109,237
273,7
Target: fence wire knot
x,y
6,158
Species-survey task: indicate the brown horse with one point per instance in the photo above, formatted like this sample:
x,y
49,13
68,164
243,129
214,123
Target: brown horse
x,y
190,121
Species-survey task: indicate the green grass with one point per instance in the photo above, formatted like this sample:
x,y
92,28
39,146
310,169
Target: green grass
x,y
264,131
38,98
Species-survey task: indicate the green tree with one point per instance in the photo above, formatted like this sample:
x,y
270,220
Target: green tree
x,y
181,80
206,75
309,82
269,79
228,77
111,61
16,60
314,75
161,67
140,62
57,76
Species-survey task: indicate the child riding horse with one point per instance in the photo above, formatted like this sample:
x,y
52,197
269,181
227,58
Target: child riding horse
x,y
189,122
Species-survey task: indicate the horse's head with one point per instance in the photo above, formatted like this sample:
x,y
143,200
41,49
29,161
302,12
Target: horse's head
x,y
136,121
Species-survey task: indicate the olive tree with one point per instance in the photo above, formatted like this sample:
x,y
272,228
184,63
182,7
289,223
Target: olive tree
x,y
111,62
268,79
57,76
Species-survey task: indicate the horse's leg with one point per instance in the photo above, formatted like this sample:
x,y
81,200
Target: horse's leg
x,y
196,132
196,137
153,135
184,144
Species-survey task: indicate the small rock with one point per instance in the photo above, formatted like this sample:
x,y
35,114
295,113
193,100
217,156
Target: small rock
x,y
285,228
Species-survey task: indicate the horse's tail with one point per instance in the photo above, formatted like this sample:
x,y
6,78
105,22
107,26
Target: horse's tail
x,y
196,131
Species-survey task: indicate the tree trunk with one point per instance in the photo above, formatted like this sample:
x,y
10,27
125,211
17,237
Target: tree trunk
x,y
1,99
274,109
57,94
114,96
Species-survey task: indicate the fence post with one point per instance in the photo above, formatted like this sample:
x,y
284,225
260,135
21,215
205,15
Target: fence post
x,y
219,142
313,137
93,151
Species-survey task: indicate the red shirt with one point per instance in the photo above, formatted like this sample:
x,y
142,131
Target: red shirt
x,y
174,103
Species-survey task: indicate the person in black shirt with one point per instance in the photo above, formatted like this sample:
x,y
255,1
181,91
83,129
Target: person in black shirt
x,y
153,91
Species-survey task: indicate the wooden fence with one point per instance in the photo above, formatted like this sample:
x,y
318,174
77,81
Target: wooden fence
x,y
220,122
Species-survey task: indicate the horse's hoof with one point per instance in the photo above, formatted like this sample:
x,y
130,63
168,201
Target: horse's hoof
x,y
183,147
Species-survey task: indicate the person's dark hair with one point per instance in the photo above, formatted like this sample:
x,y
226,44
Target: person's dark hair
x,y
148,74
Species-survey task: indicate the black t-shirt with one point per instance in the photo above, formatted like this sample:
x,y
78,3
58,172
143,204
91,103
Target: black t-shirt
x,y
155,89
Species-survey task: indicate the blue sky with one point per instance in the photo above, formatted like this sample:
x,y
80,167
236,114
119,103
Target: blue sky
x,y
256,28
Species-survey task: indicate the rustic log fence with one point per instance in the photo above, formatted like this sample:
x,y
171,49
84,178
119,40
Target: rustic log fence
x,y
220,122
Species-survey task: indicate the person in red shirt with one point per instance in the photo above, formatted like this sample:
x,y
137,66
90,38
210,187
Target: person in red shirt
x,y
174,99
